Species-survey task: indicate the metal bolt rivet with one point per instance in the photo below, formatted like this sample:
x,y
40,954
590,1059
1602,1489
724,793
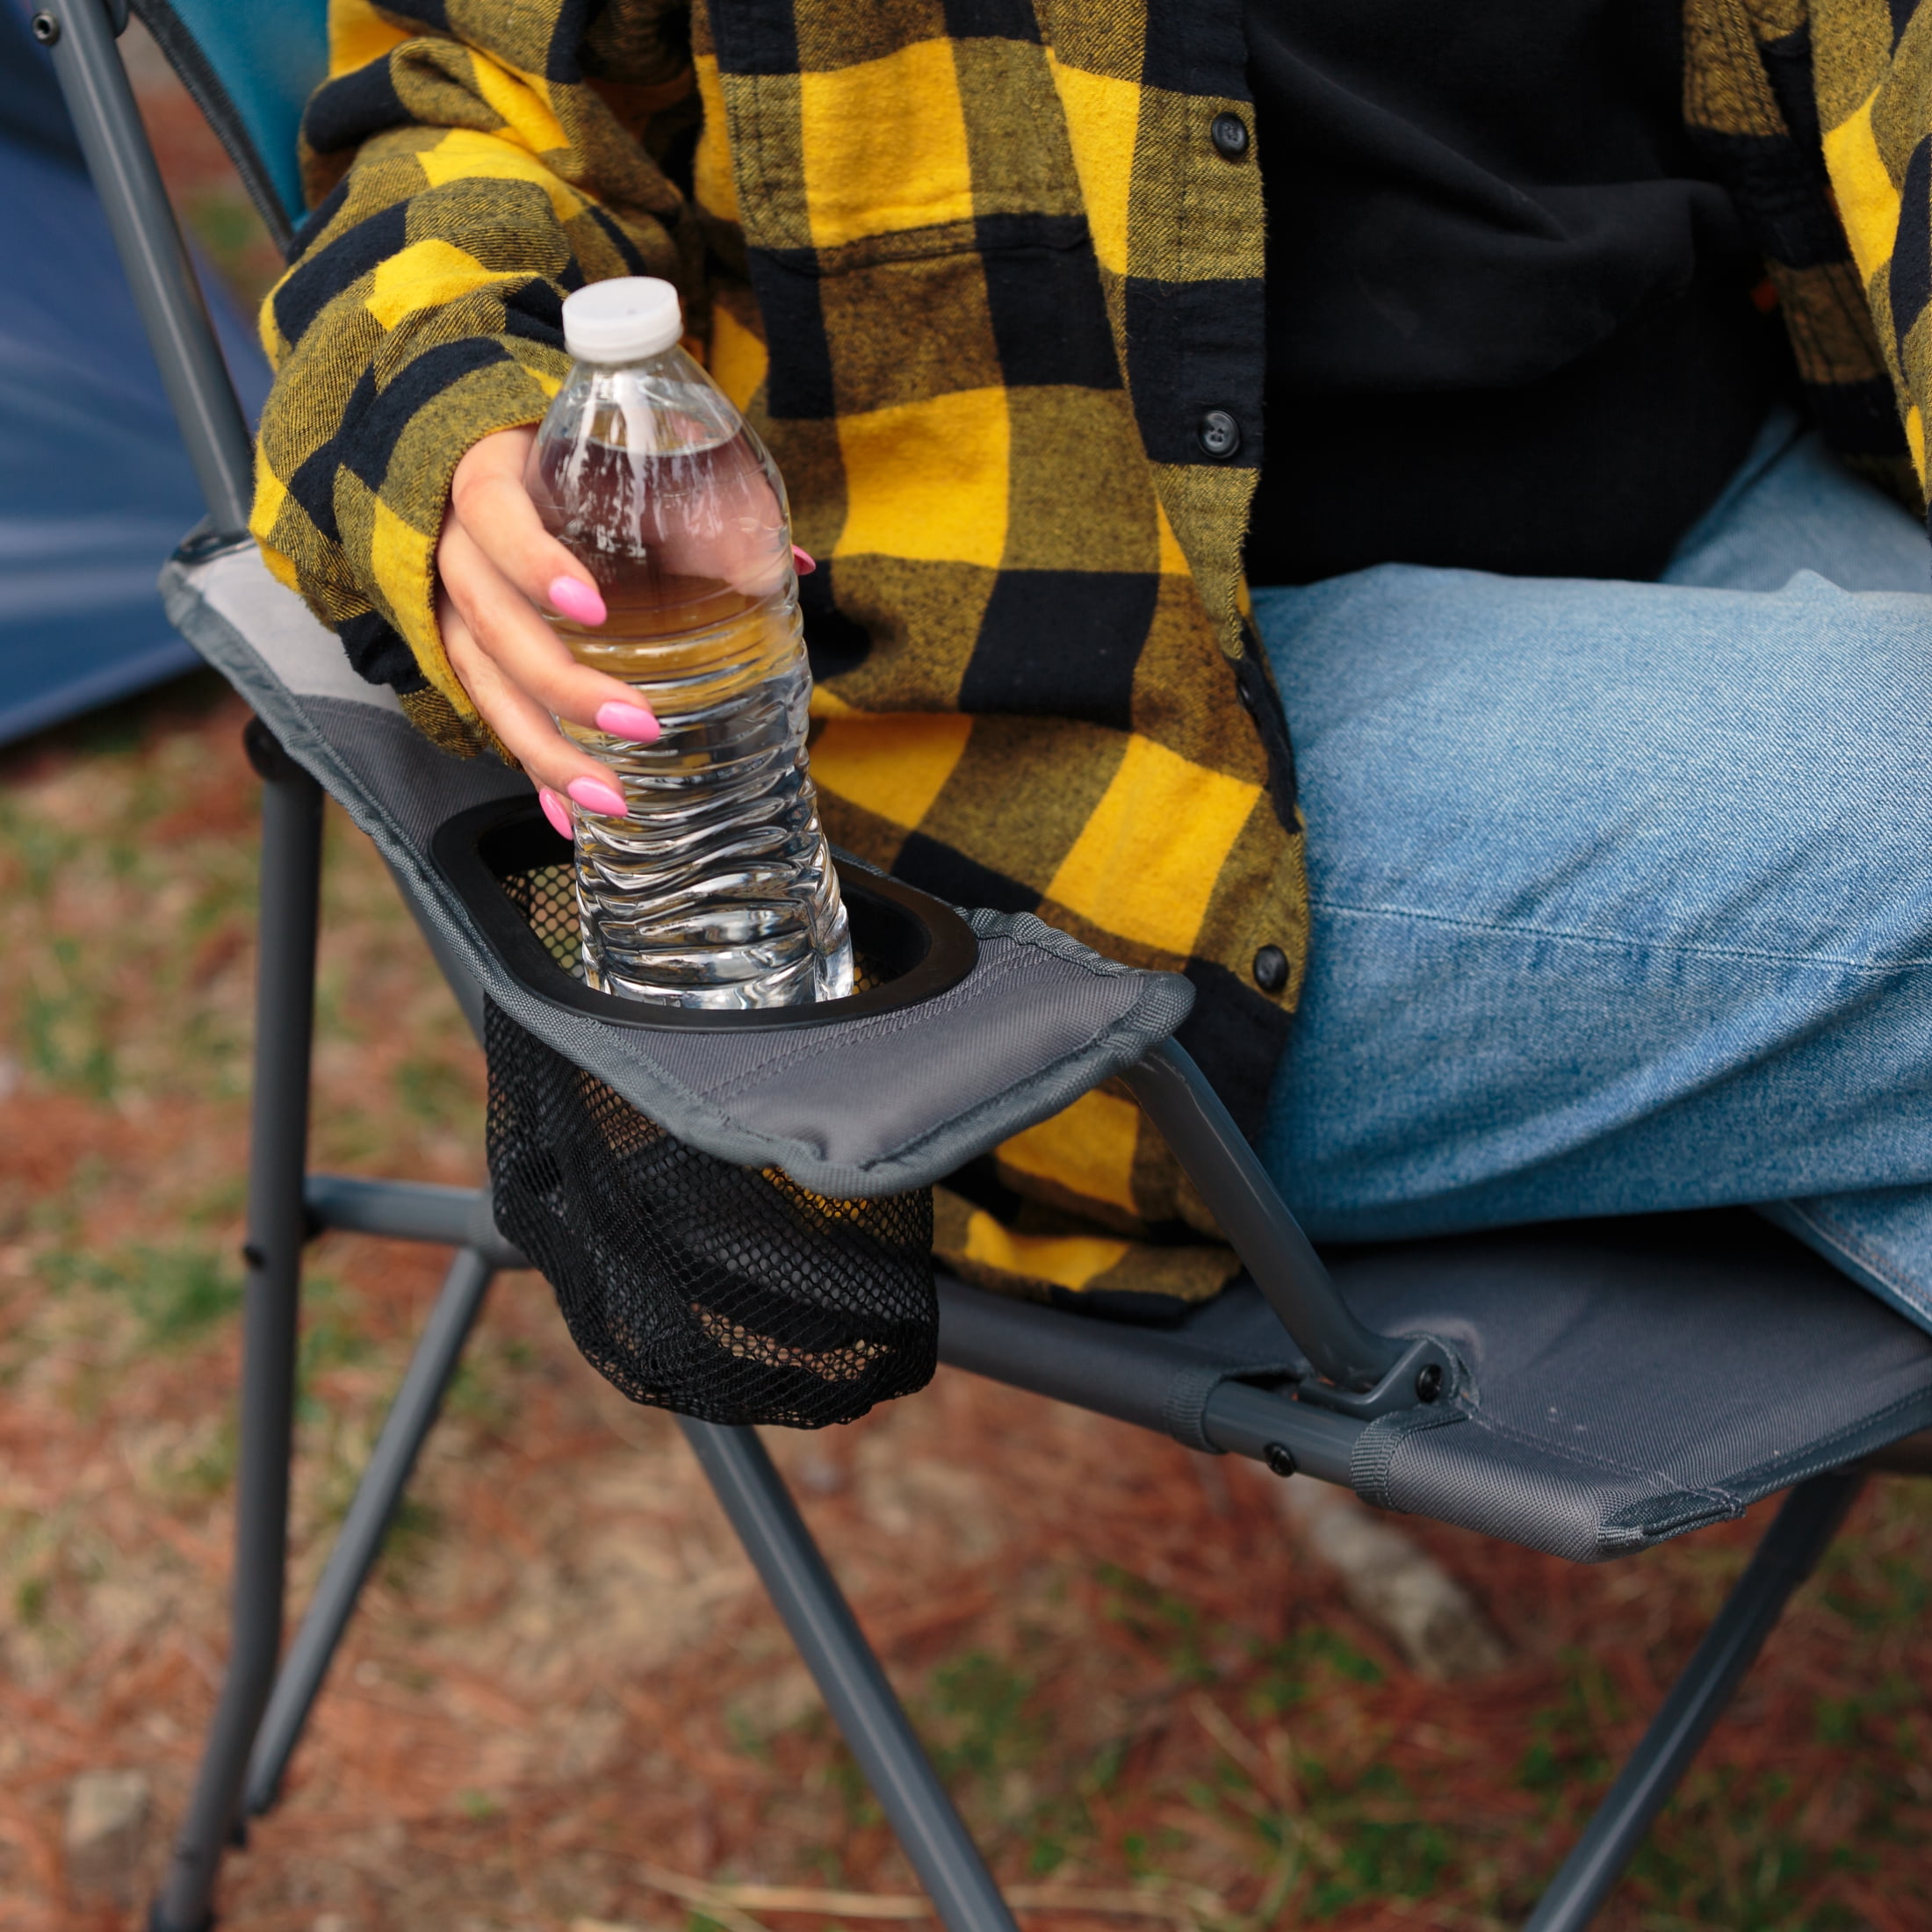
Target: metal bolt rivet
x,y
47,29
1429,1381
1279,1457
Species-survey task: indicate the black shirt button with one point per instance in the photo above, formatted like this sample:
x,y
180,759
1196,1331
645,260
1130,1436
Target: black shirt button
x,y
1229,135
1271,969
1220,434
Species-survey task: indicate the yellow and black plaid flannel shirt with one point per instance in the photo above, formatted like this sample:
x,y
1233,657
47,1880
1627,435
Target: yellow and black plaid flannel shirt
x,y
980,276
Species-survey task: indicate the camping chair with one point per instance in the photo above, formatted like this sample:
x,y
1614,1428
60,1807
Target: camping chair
x,y
760,1244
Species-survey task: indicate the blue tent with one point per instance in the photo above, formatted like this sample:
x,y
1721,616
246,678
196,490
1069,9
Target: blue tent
x,y
95,487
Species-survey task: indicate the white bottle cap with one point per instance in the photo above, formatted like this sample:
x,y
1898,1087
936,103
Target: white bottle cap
x,y
622,321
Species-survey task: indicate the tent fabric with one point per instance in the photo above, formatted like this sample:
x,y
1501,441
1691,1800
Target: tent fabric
x,y
96,490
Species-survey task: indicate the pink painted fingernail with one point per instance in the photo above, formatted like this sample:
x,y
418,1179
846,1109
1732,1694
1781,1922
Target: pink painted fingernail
x,y
571,597
804,560
595,796
555,810
631,721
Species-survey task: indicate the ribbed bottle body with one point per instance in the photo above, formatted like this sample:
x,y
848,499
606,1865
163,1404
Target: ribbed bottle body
x,y
716,890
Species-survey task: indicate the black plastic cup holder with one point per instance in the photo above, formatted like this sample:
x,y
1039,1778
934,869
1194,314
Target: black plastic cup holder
x,y
688,1281
512,870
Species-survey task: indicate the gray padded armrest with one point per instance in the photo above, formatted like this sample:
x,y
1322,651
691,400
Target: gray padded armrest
x,y
864,1106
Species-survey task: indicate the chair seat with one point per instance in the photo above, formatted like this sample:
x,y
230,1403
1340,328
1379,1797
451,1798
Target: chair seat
x,y
1624,1381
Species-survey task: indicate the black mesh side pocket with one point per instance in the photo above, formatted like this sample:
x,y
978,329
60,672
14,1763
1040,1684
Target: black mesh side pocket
x,y
723,1292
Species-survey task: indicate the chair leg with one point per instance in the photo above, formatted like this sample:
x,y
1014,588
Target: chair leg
x,y
389,1464
291,851
855,1688
1789,1552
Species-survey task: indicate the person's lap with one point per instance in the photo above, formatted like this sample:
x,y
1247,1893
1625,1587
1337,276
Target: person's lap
x,y
1623,891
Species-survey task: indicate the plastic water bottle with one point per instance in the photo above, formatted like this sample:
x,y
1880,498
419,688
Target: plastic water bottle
x,y
717,891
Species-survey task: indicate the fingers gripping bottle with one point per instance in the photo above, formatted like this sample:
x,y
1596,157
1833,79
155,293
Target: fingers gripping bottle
x,y
716,890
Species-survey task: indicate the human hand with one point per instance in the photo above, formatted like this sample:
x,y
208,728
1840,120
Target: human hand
x,y
498,569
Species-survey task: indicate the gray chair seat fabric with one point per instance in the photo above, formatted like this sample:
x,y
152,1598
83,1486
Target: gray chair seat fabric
x,y
1625,1382
871,1106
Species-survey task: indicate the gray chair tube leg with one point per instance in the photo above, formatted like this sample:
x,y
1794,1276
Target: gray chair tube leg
x,y
1195,1123
855,1688
410,1210
394,1456
146,237
291,853
1800,1535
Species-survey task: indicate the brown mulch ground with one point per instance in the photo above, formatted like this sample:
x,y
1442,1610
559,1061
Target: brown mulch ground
x,y
565,1693
563,1697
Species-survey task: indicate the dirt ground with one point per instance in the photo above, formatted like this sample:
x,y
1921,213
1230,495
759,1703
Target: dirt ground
x,y
564,1699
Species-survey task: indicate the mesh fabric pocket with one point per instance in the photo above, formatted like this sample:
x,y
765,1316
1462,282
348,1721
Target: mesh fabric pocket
x,y
723,1292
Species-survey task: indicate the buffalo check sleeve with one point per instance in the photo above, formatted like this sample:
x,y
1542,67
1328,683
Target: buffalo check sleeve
x,y
469,165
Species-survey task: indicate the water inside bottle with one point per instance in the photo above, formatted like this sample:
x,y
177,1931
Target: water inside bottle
x,y
717,891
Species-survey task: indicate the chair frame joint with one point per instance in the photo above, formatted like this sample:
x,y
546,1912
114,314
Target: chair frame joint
x,y
1425,1373
268,760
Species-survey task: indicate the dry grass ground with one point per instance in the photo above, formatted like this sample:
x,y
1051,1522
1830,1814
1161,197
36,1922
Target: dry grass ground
x,y
565,1700
565,1693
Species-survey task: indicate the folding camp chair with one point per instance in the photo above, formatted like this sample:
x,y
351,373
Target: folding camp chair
x,y
1586,1393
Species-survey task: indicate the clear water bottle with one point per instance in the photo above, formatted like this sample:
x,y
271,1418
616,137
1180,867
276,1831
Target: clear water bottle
x,y
717,891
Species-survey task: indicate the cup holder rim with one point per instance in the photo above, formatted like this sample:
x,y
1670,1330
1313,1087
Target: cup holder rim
x,y
475,849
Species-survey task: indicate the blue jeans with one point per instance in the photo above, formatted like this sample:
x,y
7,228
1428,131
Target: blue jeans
x,y
1623,891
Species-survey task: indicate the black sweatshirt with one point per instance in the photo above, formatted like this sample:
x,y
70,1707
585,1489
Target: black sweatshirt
x,y
1509,325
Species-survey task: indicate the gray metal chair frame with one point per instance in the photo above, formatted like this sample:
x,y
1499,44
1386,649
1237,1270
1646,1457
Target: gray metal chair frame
x,y
1358,1374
